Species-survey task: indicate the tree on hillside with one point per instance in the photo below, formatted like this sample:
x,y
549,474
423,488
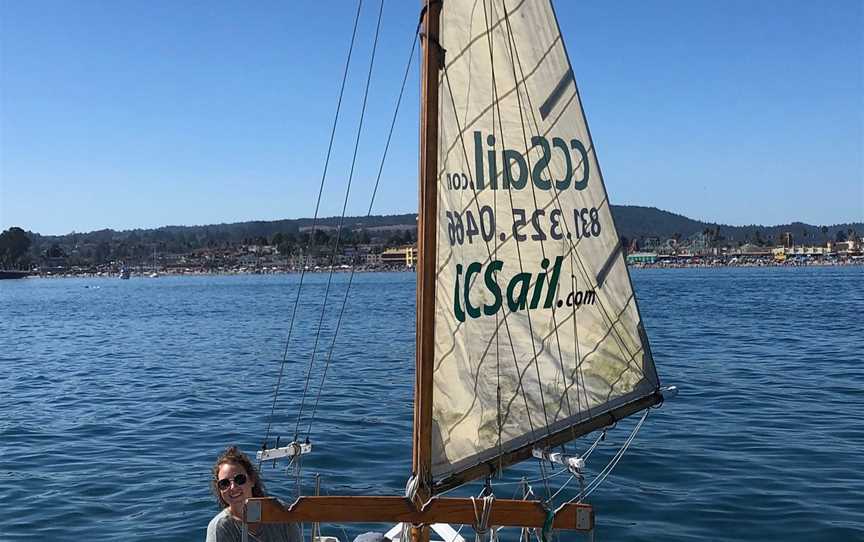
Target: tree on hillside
x,y
321,238
394,240
625,244
102,252
758,239
56,251
14,244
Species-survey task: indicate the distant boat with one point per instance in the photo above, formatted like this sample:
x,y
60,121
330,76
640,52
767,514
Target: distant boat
x,y
9,274
124,273
155,273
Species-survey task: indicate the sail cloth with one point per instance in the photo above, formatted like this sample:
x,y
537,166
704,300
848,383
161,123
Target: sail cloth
x,y
536,324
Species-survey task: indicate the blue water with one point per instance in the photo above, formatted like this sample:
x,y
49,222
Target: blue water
x,y
116,396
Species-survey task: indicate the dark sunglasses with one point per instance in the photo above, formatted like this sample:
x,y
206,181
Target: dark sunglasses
x,y
225,483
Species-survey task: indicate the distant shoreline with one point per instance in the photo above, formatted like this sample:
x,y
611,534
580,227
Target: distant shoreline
x,y
760,264
228,272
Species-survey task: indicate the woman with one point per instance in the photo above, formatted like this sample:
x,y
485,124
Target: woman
x,y
234,480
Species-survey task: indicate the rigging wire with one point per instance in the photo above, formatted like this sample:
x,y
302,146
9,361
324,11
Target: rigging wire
x,y
504,317
460,131
514,59
583,268
461,141
341,221
368,213
560,489
511,45
497,108
612,322
312,235
601,477
496,100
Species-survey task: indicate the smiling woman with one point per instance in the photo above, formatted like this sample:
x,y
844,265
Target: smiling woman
x,y
234,480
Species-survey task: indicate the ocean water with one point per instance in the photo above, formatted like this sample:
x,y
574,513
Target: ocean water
x,y
116,396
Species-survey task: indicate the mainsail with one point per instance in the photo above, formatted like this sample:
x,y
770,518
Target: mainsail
x,y
536,325
528,333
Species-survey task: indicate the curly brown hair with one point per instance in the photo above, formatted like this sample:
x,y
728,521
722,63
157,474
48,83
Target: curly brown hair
x,y
235,456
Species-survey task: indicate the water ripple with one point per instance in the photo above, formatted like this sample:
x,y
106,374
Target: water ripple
x,y
114,401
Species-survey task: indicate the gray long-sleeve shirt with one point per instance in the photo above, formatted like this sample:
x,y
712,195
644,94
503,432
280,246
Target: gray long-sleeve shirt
x,y
224,528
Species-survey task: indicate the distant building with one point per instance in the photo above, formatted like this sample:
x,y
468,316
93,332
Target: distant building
x,y
650,243
698,243
850,246
807,251
398,257
373,260
301,261
642,257
749,249
779,254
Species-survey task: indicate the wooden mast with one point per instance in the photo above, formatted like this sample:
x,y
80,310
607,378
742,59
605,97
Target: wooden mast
x,y
424,509
427,243
427,240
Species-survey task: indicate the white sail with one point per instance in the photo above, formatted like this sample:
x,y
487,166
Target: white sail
x,y
536,325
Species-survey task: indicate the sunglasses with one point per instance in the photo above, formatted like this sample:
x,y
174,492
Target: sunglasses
x,y
225,483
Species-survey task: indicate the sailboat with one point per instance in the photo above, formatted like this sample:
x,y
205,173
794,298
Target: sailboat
x,y
154,273
528,331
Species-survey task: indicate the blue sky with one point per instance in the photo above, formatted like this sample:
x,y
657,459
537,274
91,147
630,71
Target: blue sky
x,y
126,114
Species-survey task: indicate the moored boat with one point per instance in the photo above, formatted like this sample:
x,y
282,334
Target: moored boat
x,y
12,274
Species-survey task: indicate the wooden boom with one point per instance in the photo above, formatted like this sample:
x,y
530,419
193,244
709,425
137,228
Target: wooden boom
x,y
508,513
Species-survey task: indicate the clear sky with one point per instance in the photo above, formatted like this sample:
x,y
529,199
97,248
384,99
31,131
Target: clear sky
x,y
127,114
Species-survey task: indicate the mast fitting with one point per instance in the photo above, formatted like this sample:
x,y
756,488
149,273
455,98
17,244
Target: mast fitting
x,y
668,392
292,450
572,463
421,31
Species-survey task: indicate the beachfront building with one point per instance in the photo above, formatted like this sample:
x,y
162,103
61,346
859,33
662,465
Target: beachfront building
x,y
749,249
405,256
642,258
848,247
373,259
807,251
